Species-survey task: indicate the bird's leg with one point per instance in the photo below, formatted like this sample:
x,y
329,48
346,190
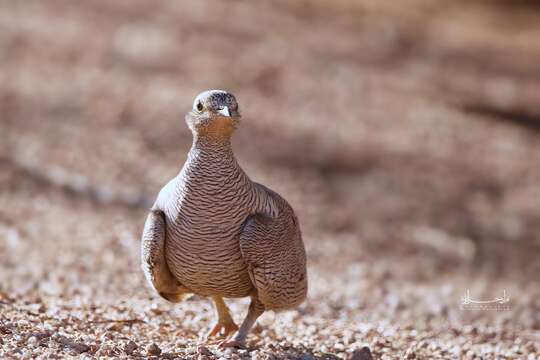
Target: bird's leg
x,y
225,323
256,308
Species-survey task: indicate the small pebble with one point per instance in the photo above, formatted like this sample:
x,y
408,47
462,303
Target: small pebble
x,y
130,347
32,341
153,349
362,354
79,347
203,350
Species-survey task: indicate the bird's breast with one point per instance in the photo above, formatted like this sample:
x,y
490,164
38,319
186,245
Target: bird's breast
x,y
204,222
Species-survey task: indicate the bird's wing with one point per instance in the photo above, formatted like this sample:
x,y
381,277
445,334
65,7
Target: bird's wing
x,y
271,244
153,259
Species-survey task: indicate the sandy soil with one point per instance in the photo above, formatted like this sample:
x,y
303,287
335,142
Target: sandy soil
x,y
405,135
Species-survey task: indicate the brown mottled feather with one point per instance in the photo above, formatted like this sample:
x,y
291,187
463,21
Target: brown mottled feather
x,y
273,249
153,261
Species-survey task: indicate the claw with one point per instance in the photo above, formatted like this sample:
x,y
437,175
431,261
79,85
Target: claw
x,y
224,329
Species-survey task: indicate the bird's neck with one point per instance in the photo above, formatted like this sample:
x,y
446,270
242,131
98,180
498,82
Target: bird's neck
x,y
212,146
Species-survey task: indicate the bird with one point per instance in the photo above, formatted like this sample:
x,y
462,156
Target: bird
x,y
214,232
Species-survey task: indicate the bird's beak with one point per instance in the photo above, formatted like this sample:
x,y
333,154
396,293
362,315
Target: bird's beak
x,y
225,111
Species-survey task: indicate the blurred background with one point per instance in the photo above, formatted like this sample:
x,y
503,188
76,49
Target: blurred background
x,y
404,134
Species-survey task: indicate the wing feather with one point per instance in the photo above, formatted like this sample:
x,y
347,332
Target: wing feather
x,y
153,261
272,246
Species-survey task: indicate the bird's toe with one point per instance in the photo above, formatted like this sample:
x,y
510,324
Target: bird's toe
x,y
221,328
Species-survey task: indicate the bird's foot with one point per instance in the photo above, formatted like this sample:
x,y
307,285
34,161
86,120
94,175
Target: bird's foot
x,y
223,328
231,344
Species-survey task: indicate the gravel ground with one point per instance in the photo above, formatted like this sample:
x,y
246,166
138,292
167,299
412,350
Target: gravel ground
x,y
404,134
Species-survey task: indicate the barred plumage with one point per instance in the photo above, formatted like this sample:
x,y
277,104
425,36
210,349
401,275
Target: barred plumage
x,y
214,232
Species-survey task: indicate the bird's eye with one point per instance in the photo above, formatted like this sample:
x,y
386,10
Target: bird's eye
x,y
199,106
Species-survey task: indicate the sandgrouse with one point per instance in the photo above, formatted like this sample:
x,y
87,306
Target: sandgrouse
x,y
214,232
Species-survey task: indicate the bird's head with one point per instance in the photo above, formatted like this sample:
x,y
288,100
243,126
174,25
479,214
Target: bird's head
x,y
214,113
